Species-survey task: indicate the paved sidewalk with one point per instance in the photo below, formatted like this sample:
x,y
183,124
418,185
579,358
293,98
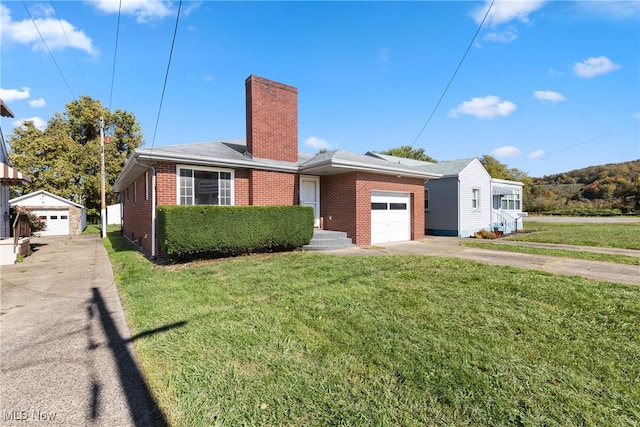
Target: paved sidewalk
x,y
450,246
66,355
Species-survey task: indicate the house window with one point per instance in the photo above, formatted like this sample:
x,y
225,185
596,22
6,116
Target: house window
x,y
146,185
475,198
510,202
135,191
205,186
426,199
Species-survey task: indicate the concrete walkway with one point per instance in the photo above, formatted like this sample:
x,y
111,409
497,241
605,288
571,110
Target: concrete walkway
x,y
66,353
451,247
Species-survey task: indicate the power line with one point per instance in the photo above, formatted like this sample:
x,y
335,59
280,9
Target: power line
x,y
115,53
580,143
166,77
48,50
454,73
75,57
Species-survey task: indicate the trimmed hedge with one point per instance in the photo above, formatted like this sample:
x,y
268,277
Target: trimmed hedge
x,y
199,232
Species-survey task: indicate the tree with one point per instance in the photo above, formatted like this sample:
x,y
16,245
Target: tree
x,y
64,158
407,152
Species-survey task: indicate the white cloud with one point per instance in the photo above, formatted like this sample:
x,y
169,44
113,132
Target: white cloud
x,y
144,10
384,55
506,36
9,95
538,154
549,95
609,9
38,123
487,107
593,66
507,151
36,103
58,34
506,11
316,143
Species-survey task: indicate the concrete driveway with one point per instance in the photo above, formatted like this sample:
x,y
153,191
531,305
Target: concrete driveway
x,y
66,353
451,247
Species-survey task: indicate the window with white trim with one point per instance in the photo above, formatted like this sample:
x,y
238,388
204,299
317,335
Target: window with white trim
x,y
510,202
146,185
205,186
475,198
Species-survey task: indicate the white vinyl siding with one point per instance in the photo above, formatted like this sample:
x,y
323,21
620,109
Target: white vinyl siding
x,y
205,186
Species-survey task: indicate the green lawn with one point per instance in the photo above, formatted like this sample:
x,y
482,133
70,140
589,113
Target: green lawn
x,y
312,339
626,236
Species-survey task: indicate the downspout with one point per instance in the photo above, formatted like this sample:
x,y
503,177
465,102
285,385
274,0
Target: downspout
x,y
459,212
153,212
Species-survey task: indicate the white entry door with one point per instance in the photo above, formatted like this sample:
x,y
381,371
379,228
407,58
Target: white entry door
x,y
310,195
390,217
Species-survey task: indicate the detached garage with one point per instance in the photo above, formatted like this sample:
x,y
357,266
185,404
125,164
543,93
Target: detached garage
x,y
63,217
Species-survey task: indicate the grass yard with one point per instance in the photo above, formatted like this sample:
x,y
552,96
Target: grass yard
x,y
311,339
611,235
564,253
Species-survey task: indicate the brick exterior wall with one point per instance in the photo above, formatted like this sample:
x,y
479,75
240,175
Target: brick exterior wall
x,y
345,203
136,205
273,188
272,119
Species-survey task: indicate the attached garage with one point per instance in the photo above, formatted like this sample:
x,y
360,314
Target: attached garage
x,y
63,217
390,217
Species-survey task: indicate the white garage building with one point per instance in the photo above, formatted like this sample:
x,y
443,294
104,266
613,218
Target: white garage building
x,y
63,217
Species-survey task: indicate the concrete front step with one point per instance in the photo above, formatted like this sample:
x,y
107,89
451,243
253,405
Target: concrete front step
x,y
324,240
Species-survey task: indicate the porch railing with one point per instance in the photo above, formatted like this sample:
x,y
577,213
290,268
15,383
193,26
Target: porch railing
x,y
505,222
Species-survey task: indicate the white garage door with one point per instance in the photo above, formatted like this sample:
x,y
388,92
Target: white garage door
x,y
57,222
390,217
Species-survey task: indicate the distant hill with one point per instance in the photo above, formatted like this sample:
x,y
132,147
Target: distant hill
x,y
610,186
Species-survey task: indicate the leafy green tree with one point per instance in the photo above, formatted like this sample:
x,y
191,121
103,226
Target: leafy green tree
x,y
64,158
407,152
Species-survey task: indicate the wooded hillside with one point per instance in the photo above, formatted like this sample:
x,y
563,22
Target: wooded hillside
x,y
610,186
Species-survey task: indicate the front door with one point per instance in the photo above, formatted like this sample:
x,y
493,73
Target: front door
x,y
310,195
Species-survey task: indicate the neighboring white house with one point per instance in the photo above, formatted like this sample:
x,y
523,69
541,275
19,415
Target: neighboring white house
x,y
114,214
466,199
63,217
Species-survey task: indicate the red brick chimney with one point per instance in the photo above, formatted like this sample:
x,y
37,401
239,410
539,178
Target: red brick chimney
x,y
272,119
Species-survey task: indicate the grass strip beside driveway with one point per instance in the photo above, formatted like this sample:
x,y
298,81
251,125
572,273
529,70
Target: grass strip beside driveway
x,y
606,235
564,253
312,339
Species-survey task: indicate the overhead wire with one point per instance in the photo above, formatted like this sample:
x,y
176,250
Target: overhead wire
x,y
444,92
597,138
75,57
49,50
115,54
166,77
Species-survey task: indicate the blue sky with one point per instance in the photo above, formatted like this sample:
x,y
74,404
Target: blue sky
x,y
545,86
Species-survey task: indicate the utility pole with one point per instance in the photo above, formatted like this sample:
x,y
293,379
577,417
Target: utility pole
x,y
103,202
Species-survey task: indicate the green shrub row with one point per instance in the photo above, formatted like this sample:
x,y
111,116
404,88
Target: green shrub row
x,y
200,232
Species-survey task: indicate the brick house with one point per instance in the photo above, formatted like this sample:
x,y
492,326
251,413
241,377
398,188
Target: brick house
x,y
372,200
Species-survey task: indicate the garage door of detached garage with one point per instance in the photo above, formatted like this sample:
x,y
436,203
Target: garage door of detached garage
x,y
57,221
390,217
